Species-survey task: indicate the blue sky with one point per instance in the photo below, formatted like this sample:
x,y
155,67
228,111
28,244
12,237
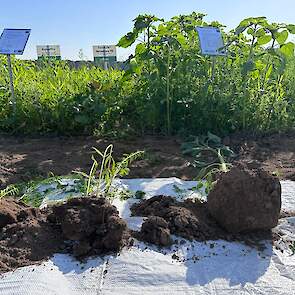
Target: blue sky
x,y
75,24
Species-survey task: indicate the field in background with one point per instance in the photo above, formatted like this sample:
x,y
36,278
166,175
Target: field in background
x,y
169,88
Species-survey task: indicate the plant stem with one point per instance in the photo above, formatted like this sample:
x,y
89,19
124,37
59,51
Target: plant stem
x,y
168,102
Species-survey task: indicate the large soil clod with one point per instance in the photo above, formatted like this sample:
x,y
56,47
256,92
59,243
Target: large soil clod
x,y
245,200
93,224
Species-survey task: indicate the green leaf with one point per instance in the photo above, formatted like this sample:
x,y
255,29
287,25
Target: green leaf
x,y
240,29
162,30
140,48
281,37
261,32
250,31
128,39
264,40
248,67
82,119
291,28
287,49
269,71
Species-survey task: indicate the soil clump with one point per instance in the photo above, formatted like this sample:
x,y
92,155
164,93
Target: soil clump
x,y
82,227
245,200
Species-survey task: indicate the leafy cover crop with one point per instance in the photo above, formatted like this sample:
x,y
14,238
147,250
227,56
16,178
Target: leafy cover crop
x,y
168,88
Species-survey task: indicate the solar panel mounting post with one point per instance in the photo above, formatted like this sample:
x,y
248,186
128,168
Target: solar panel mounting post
x,y
11,83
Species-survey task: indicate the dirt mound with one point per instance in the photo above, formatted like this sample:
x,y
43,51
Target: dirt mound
x,y
25,235
246,200
92,224
187,219
28,235
155,230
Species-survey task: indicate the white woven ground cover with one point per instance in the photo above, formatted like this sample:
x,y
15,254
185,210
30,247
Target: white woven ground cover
x,y
225,268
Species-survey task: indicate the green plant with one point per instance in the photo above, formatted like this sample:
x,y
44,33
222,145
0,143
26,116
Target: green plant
x,y
139,195
207,175
103,172
166,87
10,190
203,148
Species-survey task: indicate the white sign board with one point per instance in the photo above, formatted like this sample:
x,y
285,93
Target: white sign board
x,y
48,50
211,41
104,50
13,41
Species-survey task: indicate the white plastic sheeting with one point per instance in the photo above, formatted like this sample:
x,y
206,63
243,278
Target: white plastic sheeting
x,y
217,267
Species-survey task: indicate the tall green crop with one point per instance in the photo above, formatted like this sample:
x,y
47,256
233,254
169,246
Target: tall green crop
x,y
167,87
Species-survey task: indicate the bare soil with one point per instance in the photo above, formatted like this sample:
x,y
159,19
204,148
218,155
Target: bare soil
x,y
24,158
82,227
274,152
25,236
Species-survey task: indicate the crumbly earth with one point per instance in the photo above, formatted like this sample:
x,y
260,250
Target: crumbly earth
x,y
90,226
25,158
155,230
25,236
190,220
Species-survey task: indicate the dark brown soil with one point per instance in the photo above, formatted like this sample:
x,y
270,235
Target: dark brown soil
x,y
25,236
23,158
90,226
245,200
190,220
274,152
155,230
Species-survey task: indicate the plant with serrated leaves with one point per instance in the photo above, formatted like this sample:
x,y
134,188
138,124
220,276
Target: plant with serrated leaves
x,y
104,170
11,190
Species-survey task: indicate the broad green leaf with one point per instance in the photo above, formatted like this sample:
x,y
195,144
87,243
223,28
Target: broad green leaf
x,y
162,30
250,31
281,37
127,40
269,71
181,39
248,67
140,48
287,49
264,40
260,33
291,28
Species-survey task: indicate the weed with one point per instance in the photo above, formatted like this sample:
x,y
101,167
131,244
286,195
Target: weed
x,y
139,195
11,190
100,180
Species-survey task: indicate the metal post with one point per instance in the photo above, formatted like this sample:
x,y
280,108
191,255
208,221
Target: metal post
x,y
11,82
104,59
213,67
